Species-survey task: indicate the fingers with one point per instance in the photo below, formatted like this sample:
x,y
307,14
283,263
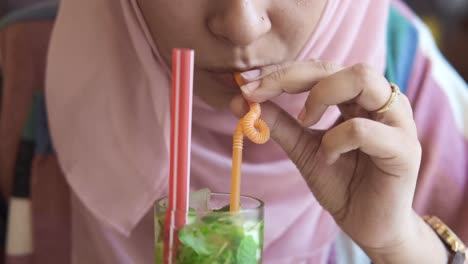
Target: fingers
x,y
373,138
291,78
239,106
391,145
359,85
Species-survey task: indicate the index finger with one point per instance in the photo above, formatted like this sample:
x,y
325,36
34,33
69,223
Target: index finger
x,y
362,86
290,77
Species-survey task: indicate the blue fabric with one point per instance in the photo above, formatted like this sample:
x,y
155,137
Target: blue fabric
x,y
41,11
402,43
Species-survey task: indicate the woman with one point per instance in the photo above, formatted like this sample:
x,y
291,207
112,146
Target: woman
x,y
108,90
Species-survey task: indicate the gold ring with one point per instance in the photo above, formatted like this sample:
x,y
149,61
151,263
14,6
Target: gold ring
x,y
391,101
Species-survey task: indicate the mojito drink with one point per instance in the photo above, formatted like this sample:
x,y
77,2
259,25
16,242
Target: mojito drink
x,y
213,234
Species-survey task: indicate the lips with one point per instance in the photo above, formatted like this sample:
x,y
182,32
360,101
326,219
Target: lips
x,y
226,79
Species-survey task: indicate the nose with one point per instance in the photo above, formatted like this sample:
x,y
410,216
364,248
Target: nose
x,y
240,22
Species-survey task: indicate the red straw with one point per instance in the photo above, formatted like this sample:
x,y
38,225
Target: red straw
x,y
179,174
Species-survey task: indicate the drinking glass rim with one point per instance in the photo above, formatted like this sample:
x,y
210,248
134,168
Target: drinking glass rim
x,y
261,203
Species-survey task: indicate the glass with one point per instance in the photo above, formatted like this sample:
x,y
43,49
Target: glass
x,y
215,235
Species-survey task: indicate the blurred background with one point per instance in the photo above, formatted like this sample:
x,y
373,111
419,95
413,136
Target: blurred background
x,y
25,27
10,5
448,20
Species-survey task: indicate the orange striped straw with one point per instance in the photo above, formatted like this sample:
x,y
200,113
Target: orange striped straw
x,y
257,131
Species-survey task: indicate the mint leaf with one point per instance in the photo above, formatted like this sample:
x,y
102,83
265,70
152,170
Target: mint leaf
x,y
226,258
220,238
195,238
247,251
186,255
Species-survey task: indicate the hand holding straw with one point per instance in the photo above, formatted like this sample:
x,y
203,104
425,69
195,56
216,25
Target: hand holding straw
x,y
257,131
179,172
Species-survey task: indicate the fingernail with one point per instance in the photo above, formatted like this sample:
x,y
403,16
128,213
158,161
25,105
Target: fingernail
x,y
250,87
301,115
250,75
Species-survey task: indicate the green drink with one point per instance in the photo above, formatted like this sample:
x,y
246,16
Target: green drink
x,y
213,234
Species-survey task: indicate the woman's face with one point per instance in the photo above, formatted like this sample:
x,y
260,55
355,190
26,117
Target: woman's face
x,y
230,36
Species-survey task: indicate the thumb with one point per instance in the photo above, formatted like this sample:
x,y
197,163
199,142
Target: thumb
x,y
298,142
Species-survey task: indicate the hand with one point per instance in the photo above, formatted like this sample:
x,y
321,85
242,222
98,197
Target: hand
x,y
364,169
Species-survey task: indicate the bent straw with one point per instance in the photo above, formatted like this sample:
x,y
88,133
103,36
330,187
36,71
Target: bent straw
x,y
179,173
257,131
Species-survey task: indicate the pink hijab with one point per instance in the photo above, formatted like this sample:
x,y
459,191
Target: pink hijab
x,y
108,104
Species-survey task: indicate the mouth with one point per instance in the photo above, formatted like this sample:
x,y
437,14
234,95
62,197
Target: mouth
x,y
231,70
226,79
225,75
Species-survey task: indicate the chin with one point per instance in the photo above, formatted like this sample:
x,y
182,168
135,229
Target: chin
x,y
214,93
218,100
